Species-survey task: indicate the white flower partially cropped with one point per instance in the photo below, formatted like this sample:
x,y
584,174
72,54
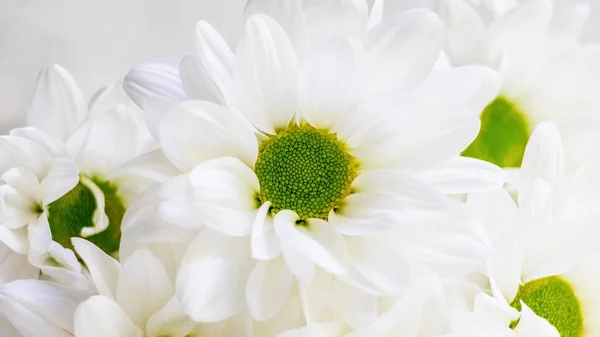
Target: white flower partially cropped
x,y
314,155
58,176
543,267
546,74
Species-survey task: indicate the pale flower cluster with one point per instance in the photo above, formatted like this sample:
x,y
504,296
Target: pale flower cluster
x,y
340,171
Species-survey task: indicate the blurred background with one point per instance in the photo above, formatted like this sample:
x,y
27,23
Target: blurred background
x,y
98,41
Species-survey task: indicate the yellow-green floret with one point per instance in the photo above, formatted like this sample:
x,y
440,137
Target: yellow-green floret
x,y
306,170
74,211
503,136
554,299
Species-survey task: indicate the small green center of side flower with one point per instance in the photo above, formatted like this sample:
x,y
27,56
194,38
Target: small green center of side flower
x,y
306,170
74,211
503,135
554,299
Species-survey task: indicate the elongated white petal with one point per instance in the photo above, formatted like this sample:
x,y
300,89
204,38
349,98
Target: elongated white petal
x,y
265,245
104,269
14,266
268,287
39,236
316,330
403,49
215,64
58,105
101,316
464,175
196,82
532,325
212,276
543,158
143,286
195,131
152,165
224,191
364,213
407,192
40,308
300,265
315,239
157,78
289,14
62,177
169,321
332,85
49,142
23,181
350,17
266,75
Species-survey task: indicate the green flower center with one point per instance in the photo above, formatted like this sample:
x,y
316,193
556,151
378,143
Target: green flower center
x,y
306,170
554,299
74,211
503,136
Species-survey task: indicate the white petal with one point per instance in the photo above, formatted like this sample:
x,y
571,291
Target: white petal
x,y
300,265
143,286
58,105
196,82
40,308
466,33
8,329
357,307
350,18
408,193
107,140
170,321
18,151
50,143
289,14
212,277
104,270
101,316
198,131
531,325
406,316
266,75
268,287
155,110
364,213
331,86
157,78
15,239
315,238
153,165
39,236
215,62
403,50
316,330
265,245
464,175
23,181
473,86
225,194
14,266
570,19
543,158
62,177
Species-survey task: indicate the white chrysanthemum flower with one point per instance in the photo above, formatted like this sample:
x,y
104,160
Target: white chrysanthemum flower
x,y
355,135
546,74
543,266
59,178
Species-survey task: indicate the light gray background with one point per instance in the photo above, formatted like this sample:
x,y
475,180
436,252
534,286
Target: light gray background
x,y
98,41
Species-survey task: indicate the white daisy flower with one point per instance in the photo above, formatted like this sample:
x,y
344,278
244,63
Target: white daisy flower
x,y
543,266
355,135
59,178
546,74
